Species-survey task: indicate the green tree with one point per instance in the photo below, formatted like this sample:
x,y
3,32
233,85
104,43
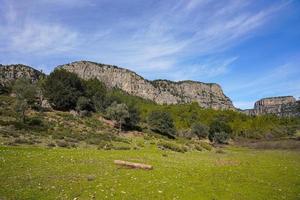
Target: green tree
x,y
218,127
134,116
200,130
118,112
26,96
62,89
221,137
162,122
84,104
96,91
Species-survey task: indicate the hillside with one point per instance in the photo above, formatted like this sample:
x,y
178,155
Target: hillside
x,y
207,95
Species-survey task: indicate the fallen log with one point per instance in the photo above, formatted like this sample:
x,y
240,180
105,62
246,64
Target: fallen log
x,y
133,165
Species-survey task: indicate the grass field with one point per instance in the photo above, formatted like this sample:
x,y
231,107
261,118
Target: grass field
x,y
239,173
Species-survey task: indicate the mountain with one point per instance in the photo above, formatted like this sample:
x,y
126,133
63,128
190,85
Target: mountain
x,y
9,73
280,106
207,95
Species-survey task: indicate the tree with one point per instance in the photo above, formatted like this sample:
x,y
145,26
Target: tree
x,y
162,122
26,96
84,104
221,137
96,92
134,116
63,88
218,128
200,130
118,112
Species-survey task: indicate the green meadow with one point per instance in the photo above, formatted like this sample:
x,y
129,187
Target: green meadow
x,y
85,173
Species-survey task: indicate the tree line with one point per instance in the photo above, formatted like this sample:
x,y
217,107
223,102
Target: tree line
x,y
65,91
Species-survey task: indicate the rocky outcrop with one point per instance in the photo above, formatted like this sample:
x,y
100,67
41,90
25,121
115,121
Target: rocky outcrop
x,y
10,73
207,95
280,106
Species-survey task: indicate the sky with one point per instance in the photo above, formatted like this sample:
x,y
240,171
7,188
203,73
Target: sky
x,y
251,48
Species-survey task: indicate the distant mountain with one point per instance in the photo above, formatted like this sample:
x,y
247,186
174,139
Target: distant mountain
x,y
280,106
207,95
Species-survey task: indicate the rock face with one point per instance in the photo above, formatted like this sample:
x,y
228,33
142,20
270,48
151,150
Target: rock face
x,y
280,106
208,95
9,73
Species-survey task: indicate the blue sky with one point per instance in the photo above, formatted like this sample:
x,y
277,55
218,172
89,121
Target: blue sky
x,y
251,48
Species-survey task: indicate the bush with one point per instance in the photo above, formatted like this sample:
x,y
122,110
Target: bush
x,y
105,145
96,91
24,141
162,122
206,146
133,118
51,144
200,130
35,122
25,95
118,112
172,146
222,129
198,147
84,104
62,143
220,151
221,137
122,147
62,89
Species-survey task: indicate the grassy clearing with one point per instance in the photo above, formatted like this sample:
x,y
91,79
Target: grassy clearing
x,y
239,173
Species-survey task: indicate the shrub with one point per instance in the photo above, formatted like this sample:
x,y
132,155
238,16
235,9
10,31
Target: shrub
x,y
25,95
94,140
118,112
222,129
162,122
221,137
96,91
62,143
84,104
51,144
134,116
121,147
63,88
105,145
200,130
172,146
35,122
198,147
205,145
220,151
23,141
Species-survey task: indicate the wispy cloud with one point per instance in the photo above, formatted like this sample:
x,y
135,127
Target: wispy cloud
x,y
192,28
280,81
161,43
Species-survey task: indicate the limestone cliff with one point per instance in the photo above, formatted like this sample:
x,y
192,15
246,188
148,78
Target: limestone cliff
x,y
280,106
208,95
9,73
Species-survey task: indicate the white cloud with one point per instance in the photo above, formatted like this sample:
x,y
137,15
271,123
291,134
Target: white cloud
x,y
159,41
43,38
26,35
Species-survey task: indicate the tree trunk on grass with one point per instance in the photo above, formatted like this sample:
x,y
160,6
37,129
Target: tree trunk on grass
x,y
133,165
